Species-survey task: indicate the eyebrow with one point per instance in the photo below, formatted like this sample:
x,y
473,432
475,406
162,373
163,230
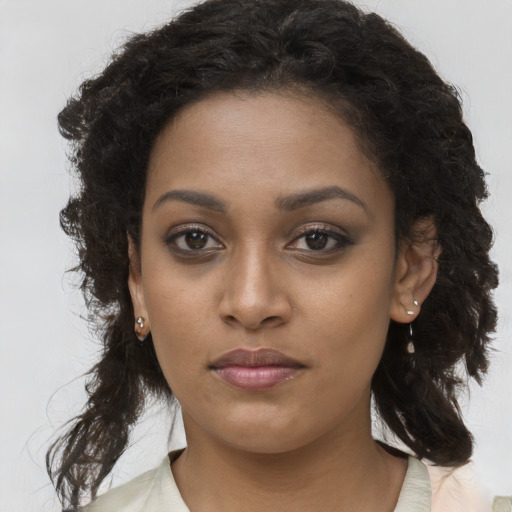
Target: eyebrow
x,y
194,198
310,197
287,203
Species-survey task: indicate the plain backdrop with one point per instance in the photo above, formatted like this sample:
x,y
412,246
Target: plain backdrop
x,y
46,49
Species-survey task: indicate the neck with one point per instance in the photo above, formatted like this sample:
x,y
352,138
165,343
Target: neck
x,y
346,471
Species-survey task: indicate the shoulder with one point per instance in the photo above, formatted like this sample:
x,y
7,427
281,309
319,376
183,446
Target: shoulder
x,y
127,497
152,491
457,490
428,488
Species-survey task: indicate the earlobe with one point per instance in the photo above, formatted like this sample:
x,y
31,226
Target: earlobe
x,y
415,272
142,326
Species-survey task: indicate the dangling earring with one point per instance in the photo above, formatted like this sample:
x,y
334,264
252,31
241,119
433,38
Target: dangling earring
x,y
410,345
139,326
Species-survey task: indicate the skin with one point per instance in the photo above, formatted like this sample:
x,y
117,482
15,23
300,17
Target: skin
x,y
306,443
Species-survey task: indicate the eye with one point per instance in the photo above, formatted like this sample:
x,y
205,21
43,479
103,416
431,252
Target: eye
x,y
192,239
320,239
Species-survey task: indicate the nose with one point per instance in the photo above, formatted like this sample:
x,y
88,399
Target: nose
x,y
253,294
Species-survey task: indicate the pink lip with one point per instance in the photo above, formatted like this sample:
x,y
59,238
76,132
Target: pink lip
x,y
255,370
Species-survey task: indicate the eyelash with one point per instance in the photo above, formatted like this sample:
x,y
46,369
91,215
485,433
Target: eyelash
x,y
341,240
171,238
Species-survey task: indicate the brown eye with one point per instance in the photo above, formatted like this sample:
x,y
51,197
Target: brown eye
x,y
321,240
317,241
190,240
196,239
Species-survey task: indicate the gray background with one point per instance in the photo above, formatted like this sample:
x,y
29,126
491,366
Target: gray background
x,y
46,49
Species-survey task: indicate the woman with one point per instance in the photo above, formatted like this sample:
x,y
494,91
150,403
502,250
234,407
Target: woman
x,y
278,220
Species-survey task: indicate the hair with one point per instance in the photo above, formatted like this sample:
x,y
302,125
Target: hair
x,y
406,117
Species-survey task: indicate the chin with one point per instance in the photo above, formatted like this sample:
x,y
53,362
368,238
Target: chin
x,y
270,436
276,444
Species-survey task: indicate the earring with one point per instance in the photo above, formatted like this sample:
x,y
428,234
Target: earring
x,y
410,345
416,304
139,326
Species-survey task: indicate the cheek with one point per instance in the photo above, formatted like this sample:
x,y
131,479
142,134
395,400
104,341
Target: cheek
x,y
350,321
179,319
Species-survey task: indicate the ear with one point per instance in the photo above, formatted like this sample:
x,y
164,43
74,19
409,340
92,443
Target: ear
x,y
137,291
415,271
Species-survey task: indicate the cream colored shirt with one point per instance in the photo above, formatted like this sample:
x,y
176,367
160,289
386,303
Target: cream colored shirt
x,y
425,489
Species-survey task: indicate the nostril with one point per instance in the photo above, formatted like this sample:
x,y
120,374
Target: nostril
x,y
230,319
266,322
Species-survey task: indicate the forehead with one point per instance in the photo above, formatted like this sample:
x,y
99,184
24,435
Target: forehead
x,y
260,143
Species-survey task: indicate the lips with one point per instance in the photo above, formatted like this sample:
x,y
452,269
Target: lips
x,y
256,370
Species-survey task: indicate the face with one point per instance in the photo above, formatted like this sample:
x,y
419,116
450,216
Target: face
x,y
268,271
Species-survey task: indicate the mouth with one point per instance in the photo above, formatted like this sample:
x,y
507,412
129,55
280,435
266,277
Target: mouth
x,y
256,370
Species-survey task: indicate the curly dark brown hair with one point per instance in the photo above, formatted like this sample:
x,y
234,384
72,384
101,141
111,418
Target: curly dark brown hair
x,y
407,120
